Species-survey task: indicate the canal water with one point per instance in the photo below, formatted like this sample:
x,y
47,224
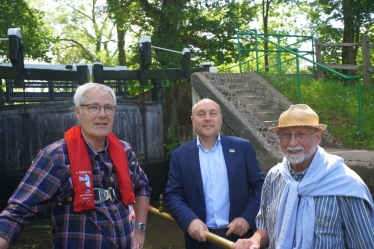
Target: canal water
x,y
161,234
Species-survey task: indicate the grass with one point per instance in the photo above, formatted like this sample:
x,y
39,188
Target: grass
x,y
336,104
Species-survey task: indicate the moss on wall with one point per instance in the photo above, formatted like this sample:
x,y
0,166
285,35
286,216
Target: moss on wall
x,y
177,109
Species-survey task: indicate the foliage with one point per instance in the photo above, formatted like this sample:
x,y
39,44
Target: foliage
x,y
36,34
2,85
85,33
207,28
337,21
133,87
336,104
124,14
172,142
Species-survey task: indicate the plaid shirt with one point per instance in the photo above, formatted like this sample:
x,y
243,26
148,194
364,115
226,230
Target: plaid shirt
x,y
49,180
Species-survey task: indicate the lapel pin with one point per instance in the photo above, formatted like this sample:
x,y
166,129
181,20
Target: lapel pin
x,y
232,150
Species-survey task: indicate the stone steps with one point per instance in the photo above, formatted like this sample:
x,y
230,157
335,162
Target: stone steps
x,y
272,123
255,97
228,75
256,100
269,116
238,85
254,91
262,107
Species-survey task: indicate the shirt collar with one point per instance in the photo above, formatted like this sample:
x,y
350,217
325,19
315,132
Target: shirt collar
x,y
297,176
215,145
92,152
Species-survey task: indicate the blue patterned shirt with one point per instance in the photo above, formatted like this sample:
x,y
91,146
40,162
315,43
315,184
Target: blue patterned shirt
x,y
297,176
341,222
48,180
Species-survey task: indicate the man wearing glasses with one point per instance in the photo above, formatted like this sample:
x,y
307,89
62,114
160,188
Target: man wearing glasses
x,y
92,176
311,199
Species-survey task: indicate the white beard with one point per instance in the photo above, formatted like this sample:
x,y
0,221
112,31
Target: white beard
x,y
296,159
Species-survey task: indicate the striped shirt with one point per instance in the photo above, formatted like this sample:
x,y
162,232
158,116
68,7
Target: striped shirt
x,y
49,180
341,222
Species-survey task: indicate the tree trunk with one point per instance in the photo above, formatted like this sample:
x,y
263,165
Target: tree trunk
x,y
349,53
121,46
265,16
266,45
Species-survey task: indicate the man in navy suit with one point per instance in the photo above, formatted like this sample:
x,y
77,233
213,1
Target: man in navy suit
x,y
215,182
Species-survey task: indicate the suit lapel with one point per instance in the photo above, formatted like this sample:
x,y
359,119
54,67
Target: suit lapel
x,y
194,162
230,162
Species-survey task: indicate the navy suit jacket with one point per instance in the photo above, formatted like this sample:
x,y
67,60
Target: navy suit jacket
x,y
184,195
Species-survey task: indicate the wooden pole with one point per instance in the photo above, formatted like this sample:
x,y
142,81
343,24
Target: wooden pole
x,y
83,74
366,74
227,244
98,72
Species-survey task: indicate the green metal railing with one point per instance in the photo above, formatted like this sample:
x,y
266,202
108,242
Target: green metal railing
x,y
278,51
282,49
279,61
228,69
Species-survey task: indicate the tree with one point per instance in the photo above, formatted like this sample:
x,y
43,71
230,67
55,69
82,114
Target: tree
x,y
118,12
85,33
125,15
278,17
36,35
208,28
265,17
270,6
356,18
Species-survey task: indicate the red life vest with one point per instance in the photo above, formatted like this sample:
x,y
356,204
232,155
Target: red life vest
x,y
81,169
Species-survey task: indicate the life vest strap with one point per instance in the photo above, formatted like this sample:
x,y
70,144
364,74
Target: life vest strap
x,y
100,194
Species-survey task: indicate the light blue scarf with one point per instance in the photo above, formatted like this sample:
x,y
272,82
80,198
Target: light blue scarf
x,y
327,175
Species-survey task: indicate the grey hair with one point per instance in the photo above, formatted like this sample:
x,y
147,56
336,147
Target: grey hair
x,y
81,90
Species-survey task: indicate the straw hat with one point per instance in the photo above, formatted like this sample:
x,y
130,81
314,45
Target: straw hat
x,y
299,115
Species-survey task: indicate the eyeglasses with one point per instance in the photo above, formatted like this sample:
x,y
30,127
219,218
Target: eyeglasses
x,y
109,109
300,136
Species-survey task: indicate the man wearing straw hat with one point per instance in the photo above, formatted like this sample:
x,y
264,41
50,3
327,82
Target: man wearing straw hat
x,y
311,199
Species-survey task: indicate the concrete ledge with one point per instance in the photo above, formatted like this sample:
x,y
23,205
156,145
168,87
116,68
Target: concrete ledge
x,y
360,161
